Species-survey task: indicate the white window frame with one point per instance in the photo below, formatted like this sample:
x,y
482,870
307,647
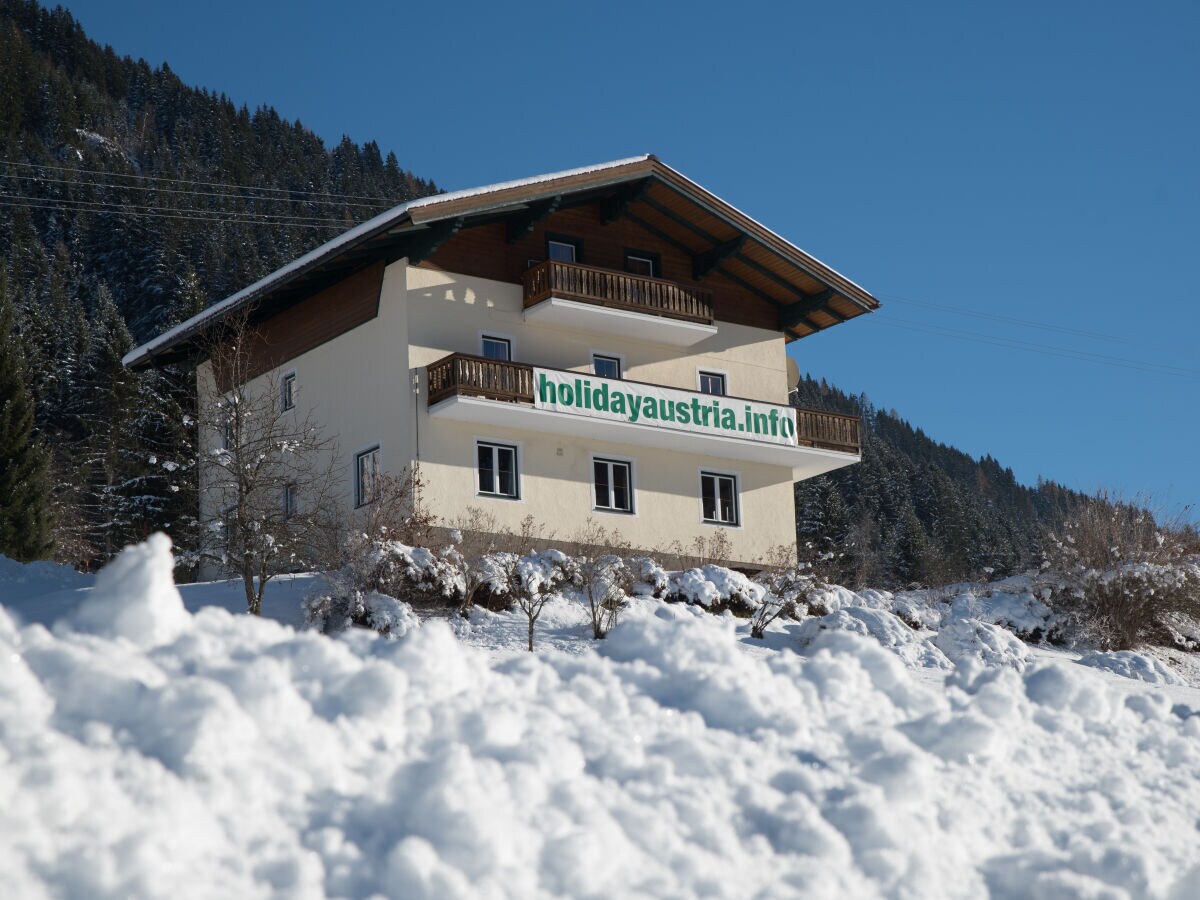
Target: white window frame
x,y
497,336
572,244
618,460
287,398
700,373
619,357
738,510
518,464
654,264
377,448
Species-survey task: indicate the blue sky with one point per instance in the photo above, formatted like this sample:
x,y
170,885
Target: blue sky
x,y
1019,183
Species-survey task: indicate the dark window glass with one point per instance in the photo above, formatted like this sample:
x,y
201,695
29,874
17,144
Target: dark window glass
x,y
497,470
613,485
718,498
561,251
288,391
712,383
641,265
606,366
366,472
497,348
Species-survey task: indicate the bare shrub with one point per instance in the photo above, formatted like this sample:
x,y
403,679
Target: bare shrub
x,y
606,578
1120,575
533,580
269,472
787,594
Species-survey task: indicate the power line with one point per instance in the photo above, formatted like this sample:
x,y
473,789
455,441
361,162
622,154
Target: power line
x,y
83,182
118,207
218,184
218,218
1026,323
1045,350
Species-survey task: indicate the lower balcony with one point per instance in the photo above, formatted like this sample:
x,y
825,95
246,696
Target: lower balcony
x,y
556,401
633,306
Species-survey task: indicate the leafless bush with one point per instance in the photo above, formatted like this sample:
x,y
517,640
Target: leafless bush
x,y
533,580
787,595
606,577
269,472
1120,575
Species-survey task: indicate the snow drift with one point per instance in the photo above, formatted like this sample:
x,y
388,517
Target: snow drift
x,y
222,755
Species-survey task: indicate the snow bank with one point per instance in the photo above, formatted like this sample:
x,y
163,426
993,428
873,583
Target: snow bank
x,y
880,625
1129,664
135,597
990,644
222,755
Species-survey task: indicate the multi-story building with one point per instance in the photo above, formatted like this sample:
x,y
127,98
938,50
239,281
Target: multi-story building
x,y
605,342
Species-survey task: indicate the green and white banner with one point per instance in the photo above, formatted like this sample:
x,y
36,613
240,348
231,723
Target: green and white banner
x,y
660,407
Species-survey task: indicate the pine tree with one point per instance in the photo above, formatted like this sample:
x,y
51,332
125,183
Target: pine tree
x,y
24,486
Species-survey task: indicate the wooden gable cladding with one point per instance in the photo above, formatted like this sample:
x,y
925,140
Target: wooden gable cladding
x,y
486,252
311,322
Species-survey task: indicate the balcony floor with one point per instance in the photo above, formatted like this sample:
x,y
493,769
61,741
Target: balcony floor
x,y
805,462
623,322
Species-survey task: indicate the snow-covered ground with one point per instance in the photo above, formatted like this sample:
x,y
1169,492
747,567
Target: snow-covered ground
x,y
155,743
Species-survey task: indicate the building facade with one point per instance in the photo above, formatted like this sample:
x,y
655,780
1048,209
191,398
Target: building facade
x,y
606,343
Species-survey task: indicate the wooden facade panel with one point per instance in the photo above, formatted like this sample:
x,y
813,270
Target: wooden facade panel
x,y
484,251
718,228
317,319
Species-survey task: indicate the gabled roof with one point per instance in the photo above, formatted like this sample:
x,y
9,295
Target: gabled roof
x,y
720,238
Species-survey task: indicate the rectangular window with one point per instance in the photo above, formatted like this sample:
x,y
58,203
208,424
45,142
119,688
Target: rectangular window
x,y
497,347
562,250
366,476
289,501
613,482
718,498
712,383
638,262
287,392
606,366
497,470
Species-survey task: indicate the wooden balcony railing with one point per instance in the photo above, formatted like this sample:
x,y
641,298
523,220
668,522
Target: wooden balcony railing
x,y
620,290
473,376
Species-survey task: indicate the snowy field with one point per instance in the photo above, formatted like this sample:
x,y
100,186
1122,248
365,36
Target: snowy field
x,y
155,744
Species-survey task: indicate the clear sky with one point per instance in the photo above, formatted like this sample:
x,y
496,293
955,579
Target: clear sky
x,y
1019,183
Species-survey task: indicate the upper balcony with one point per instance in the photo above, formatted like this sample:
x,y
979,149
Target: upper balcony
x,y
632,306
518,395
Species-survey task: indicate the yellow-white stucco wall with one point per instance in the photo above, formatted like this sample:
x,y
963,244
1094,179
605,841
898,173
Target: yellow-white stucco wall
x,y
359,386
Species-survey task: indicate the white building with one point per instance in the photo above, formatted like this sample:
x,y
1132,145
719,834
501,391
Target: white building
x,y
605,342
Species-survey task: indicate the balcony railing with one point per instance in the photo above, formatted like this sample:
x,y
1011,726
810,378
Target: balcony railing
x,y
619,290
473,376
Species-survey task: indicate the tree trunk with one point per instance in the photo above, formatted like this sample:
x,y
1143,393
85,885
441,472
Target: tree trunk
x,y
253,599
531,635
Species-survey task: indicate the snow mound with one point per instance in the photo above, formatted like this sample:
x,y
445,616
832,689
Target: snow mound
x,y
713,586
1015,609
245,759
135,597
23,581
882,626
990,644
1129,664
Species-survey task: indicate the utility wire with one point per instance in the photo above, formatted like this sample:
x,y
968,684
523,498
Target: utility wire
x,y
218,184
219,218
1045,350
119,206
1029,323
82,182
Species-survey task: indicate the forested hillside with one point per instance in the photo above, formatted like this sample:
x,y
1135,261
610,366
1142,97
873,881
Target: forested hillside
x,y
129,201
915,510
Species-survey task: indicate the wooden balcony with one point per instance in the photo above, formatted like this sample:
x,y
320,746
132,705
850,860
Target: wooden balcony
x,y
569,284
462,375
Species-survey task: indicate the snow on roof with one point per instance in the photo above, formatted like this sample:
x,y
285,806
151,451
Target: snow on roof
x,y
397,214
348,238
